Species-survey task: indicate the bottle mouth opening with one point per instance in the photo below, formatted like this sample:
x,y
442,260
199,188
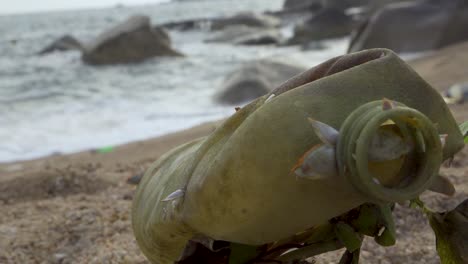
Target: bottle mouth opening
x,y
390,149
391,154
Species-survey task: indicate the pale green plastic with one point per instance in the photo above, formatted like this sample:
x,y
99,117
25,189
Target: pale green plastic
x,y
238,181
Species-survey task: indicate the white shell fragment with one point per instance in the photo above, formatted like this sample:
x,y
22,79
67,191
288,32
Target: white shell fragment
x,y
326,133
381,230
443,139
176,194
269,98
387,145
319,164
456,94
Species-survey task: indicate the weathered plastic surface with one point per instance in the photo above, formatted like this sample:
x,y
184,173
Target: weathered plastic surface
x,y
237,182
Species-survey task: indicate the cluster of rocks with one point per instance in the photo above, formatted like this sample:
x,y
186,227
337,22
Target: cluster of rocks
x,y
400,25
246,28
64,43
244,35
413,26
131,41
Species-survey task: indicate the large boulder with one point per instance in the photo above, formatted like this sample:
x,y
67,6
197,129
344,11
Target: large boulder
x,y
248,19
255,79
263,37
245,18
162,33
325,24
414,26
373,6
298,5
188,24
344,4
134,40
339,4
64,43
244,35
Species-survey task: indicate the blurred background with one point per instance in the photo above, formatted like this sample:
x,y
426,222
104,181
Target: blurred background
x,y
78,75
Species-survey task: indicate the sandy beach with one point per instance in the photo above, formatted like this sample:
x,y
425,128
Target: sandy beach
x,y
76,208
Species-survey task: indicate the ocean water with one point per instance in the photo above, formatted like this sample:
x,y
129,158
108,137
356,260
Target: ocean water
x,y
56,104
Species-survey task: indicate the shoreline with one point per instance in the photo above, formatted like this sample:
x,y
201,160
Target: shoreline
x,y
448,70
137,151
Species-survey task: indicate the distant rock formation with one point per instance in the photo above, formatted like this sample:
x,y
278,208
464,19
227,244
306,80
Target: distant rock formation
x,y
298,5
263,37
325,24
64,43
414,26
344,4
162,33
131,41
312,6
255,79
247,19
244,35
338,4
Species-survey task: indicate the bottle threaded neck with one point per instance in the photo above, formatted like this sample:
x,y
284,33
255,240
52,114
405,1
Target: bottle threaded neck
x,y
419,166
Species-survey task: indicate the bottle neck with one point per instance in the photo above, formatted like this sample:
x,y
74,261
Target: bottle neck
x,y
417,168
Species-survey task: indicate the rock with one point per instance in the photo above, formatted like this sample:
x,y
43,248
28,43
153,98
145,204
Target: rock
x,y
413,26
249,19
373,6
231,33
189,24
163,35
314,45
458,94
264,37
295,9
368,4
131,41
246,18
244,35
301,4
327,23
338,4
64,43
366,7
344,4
255,79
135,179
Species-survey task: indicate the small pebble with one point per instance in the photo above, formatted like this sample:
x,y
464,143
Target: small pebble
x,y
135,179
456,94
